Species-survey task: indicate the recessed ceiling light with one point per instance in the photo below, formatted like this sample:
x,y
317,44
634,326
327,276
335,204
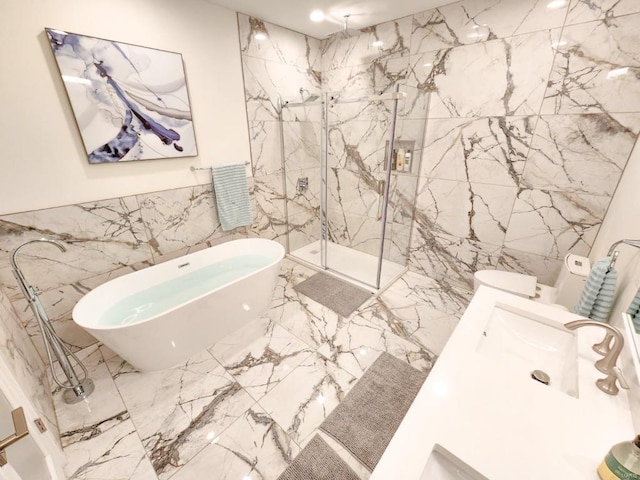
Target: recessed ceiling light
x,y
316,16
260,36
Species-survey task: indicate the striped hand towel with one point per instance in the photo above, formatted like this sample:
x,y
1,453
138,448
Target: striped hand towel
x,y
634,312
597,295
232,195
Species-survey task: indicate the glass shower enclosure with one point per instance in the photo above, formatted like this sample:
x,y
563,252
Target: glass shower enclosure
x,y
351,164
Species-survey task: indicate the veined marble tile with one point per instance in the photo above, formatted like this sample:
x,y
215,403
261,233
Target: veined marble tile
x,y
360,341
267,361
402,195
473,21
581,11
353,192
362,117
475,211
22,360
241,339
378,76
103,404
396,243
553,223
304,229
231,235
509,76
180,218
255,447
266,82
281,45
339,51
361,233
482,150
418,96
357,145
99,237
269,218
448,258
116,365
264,137
581,153
301,402
545,268
307,201
178,411
309,321
302,145
596,68
107,450
422,310
414,292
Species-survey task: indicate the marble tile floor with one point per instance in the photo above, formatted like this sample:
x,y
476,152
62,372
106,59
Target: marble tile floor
x,y
244,408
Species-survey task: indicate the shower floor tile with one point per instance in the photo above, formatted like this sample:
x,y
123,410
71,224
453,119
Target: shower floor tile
x,y
244,408
357,265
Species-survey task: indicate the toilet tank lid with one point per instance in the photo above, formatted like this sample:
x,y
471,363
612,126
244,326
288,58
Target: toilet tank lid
x,y
512,282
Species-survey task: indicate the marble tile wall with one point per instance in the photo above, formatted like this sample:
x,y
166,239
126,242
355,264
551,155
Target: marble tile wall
x,y
276,68
24,364
104,239
282,66
533,110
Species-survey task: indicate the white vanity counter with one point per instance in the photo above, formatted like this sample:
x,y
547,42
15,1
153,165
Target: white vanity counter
x,y
501,422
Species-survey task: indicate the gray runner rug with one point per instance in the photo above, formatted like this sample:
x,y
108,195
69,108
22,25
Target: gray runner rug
x,y
338,295
317,461
370,414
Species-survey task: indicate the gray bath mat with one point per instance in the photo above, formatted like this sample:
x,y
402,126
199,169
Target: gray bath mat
x,y
370,414
340,296
317,461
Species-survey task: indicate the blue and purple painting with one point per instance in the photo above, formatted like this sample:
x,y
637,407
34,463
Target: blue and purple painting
x,y
130,102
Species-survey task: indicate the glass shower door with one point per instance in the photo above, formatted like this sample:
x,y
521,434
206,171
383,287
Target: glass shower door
x,y
358,146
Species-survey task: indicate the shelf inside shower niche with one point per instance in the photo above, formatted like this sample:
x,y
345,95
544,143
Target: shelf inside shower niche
x,y
403,153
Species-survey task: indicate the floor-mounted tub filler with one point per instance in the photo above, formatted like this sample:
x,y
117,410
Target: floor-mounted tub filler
x,y
158,317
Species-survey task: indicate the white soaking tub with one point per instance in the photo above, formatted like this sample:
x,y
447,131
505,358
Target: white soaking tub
x,y
160,316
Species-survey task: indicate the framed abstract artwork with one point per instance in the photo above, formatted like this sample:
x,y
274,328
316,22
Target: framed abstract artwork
x,y
129,102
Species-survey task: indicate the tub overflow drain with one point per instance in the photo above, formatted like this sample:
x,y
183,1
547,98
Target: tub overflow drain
x,y
540,376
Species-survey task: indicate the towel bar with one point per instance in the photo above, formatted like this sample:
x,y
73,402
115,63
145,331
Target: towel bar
x,y
193,169
613,252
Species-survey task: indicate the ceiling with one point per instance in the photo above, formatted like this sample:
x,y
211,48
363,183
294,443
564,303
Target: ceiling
x,y
294,14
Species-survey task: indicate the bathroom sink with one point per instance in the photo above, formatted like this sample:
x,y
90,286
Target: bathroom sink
x,y
443,465
523,342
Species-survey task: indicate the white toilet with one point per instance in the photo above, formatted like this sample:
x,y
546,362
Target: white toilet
x,y
565,293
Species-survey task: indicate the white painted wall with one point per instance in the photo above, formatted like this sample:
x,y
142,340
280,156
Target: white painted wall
x,y
623,222
42,159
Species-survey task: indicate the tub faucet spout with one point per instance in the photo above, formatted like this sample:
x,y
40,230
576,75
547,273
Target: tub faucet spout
x,y
607,364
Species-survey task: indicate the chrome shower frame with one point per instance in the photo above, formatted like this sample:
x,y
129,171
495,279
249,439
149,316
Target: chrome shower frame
x,y
327,101
77,388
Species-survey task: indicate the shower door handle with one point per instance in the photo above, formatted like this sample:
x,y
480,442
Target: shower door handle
x,y
21,431
380,186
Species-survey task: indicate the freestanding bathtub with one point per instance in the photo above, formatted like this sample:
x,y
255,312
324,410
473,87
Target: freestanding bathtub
x,y
158,317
